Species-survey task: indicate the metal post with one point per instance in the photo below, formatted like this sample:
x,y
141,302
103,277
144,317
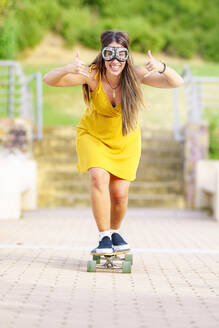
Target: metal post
x,y
199,100
11,82
39,105
178,136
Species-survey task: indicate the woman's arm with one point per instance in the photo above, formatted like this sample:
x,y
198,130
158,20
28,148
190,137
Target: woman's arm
x,y
72,74
150,74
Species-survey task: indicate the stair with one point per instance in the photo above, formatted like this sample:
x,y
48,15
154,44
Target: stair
x,y
159,181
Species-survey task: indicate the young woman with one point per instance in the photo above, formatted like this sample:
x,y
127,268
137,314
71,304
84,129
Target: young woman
x,y
108,141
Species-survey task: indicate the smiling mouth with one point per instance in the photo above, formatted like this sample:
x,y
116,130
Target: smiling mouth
x,y
116,67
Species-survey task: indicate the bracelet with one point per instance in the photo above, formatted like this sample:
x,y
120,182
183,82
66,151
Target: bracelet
x,y
164,68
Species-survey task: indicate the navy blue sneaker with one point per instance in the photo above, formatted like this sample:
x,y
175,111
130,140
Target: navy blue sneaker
x,y
104,247
119,244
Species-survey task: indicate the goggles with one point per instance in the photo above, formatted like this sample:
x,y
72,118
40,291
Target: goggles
x,y
120,53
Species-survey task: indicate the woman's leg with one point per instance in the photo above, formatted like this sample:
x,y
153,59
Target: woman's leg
x,y
119,200
100,197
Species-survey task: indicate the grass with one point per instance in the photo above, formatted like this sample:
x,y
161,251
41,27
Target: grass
x,y
208,69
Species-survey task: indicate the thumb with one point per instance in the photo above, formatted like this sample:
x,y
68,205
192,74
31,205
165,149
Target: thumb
x,y
149,54
77,55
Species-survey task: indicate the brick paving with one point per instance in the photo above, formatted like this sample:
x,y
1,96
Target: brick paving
x,y
174,280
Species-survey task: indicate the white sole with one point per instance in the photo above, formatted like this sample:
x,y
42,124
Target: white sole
x,y
103,251
121,248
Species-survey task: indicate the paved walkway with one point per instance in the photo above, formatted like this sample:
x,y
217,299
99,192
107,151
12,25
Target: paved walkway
x,y
174,283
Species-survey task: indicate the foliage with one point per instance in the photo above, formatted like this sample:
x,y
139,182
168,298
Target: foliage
x,y
70,27
177,27
212,117
8,44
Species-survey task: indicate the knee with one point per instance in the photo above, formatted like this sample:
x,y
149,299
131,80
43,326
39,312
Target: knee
x,y
119,196
99,180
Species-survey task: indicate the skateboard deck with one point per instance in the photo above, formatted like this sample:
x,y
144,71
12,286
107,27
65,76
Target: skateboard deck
x,y
117,261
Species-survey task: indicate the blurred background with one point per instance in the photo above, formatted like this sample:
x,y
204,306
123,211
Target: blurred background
x,y
41,35
178,28
45,34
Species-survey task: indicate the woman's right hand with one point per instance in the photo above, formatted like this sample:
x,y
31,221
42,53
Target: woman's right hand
x,y
77,66
68,75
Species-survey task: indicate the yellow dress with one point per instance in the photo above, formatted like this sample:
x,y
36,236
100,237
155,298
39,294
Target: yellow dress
x,y
99,139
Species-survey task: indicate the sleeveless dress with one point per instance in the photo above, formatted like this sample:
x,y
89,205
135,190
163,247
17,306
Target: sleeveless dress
x,y
99,139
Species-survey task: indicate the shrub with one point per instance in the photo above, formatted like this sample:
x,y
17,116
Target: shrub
x,y
209,46
181,43
182,27
212,117
90,34
39,18
72,24
8,44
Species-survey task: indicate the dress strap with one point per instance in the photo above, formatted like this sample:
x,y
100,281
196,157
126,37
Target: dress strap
x,y
93,66
97,77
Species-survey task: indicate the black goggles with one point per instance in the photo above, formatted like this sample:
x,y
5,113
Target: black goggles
x,y
120,53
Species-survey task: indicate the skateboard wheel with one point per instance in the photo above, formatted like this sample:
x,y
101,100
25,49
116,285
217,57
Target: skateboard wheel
x,y
96,258
91,266
126,267
129,258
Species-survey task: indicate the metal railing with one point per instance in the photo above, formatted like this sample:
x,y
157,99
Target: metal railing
x,y
201,93
17,97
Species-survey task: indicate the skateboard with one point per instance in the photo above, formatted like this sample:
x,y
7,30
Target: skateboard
x,y
117,261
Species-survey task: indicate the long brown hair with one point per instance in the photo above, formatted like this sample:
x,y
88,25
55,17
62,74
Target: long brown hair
x,y
131,99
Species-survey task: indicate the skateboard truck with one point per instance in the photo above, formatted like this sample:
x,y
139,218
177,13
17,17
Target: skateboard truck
x,y
112,261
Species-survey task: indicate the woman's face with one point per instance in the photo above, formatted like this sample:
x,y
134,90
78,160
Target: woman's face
x,y
114,66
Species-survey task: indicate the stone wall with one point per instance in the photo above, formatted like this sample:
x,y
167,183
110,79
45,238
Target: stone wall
x,y
195,148
16,136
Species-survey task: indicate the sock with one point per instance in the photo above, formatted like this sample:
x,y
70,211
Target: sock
x,y
114,231
104,234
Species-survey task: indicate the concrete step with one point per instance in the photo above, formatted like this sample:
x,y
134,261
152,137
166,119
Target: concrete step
x,y
48,151
62,141
150,151
161,164
151,156
151,200
149,174
64,138
160,151
145,162
146,173
159,176
70,131
155,200
136,187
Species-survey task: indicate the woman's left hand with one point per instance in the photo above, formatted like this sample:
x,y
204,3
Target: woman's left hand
x,y
153,65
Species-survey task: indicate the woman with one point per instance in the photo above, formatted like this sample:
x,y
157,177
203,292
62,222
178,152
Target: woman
x,y
108,139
